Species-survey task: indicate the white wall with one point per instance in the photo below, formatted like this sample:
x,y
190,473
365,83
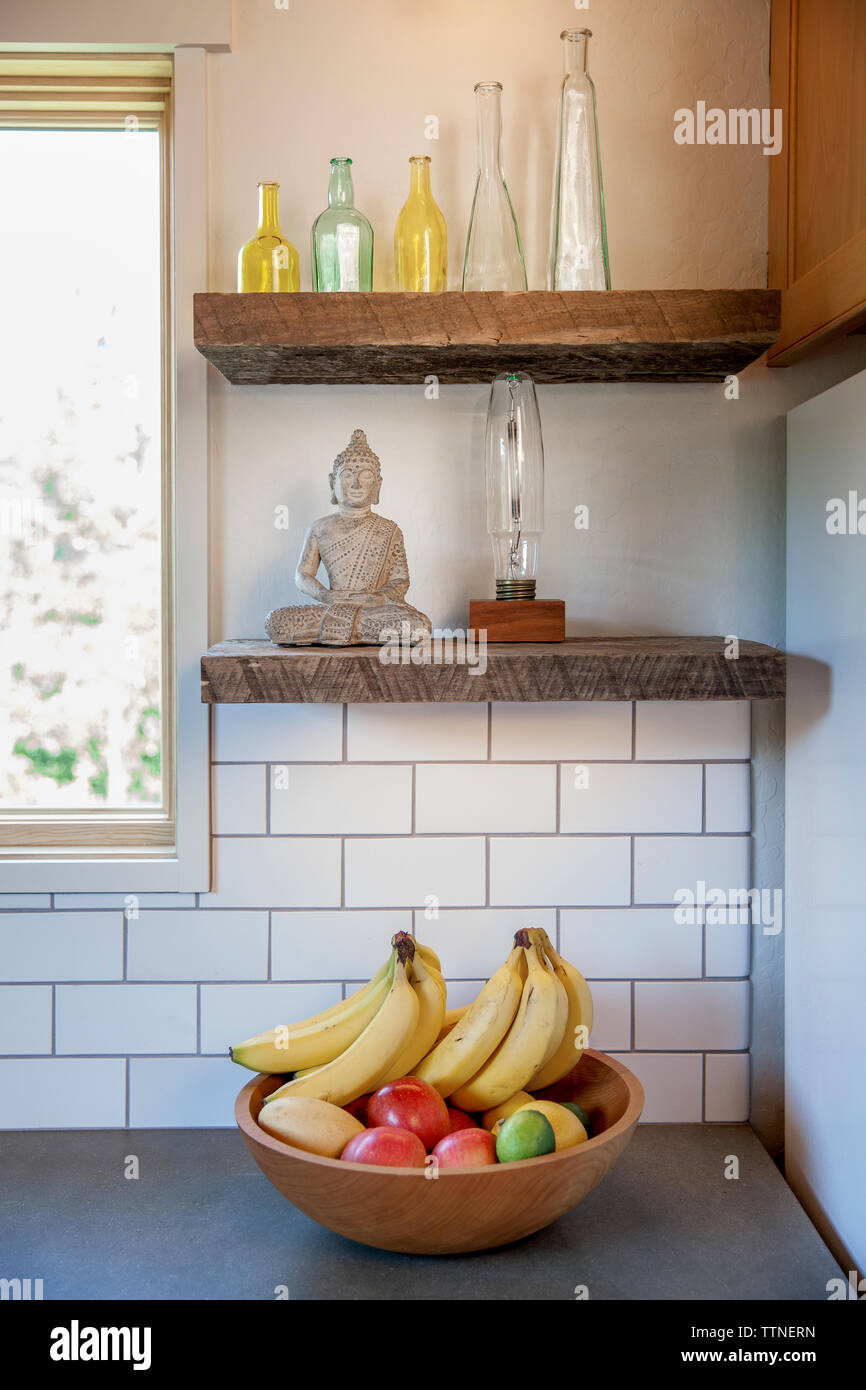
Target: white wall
x,y
825,1091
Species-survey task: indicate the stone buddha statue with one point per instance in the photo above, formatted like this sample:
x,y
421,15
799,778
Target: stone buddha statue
x,y
365,562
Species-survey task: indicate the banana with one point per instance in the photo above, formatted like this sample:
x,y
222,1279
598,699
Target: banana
x,y
452,1017
569,1052
558,1033
481,1029
357,1070
317,1040
429,956
527,1042
431,1000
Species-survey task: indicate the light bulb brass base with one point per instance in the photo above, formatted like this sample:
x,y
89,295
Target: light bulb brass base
x,y
515,588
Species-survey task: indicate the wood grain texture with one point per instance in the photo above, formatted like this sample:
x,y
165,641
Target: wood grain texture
x,y
464,1208
818,183
519,620
253,671
617,335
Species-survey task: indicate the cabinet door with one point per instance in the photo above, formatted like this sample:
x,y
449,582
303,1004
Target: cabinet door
x,y
818,182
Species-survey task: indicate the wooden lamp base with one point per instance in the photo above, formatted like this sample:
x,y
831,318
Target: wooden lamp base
x,y
519,619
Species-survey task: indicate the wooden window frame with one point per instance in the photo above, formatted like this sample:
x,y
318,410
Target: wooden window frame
x,y
96,849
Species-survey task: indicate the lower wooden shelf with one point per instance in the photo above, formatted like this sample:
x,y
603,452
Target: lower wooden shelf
x,y
255,671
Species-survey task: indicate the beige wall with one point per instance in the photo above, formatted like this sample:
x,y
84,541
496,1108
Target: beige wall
x,y
685,488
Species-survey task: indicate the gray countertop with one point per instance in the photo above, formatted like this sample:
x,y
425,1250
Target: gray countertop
x,y
201,1221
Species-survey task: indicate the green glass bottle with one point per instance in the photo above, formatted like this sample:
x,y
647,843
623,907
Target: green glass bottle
x,y
268,262
342,238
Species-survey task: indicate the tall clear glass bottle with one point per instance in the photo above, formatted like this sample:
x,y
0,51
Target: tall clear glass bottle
x,y
578,234
268,262
494,255
514,469
342,238
420,237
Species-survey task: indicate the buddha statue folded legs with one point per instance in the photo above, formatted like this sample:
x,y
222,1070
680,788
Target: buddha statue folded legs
x,y
365,562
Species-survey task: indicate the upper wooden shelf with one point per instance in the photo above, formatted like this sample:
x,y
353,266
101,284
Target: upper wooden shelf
x,y
254,671
614,335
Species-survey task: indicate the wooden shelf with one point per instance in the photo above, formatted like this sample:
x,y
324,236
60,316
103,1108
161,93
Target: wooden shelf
x,y
254,671
616,335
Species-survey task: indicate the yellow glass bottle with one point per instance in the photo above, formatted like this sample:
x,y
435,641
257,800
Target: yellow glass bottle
x,y
420,237
268,262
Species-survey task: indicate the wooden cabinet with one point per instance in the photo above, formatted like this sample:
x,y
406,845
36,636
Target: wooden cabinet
x,y
818,182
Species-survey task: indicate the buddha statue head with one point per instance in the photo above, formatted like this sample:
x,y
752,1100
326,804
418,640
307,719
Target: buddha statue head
x,y
356,477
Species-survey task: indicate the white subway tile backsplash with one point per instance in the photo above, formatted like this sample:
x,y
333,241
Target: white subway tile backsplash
x,y
184,1092
312,879
124,901
473,943
630,797
310,945
560,871
240,799
728,797
727,948
490,797
277,733
611,1013
232,1013
727,1088
692,729
25,1020
203,945
61,946
416,733
125,1018
664,865
63,1093
630,942
440,871
551,732
682,1015
343,799
672,1082
462,992
275,871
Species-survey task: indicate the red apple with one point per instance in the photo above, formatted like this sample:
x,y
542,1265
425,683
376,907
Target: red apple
x,y
465,1148
458,1119
411,1104
387,1146
358,1108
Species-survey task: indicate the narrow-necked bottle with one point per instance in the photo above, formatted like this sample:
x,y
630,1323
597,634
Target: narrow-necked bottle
x,y
420,237
494,256
268,262
342,238
578,234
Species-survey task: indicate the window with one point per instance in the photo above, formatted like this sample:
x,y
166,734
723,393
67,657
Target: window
x,y
88,713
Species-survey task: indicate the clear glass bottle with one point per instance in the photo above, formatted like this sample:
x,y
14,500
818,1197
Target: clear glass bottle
x,y
420,237
494,255
514,467
268,262
578,234
342,238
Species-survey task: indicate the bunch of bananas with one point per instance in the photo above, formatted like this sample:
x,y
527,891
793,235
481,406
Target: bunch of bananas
x,y
378,1034
527,1029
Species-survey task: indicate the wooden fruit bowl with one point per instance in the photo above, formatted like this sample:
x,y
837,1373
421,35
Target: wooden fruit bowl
x,y
463,1208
